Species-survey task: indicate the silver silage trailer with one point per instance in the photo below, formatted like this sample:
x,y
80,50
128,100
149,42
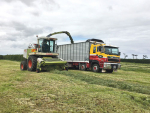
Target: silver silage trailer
x,y
77,52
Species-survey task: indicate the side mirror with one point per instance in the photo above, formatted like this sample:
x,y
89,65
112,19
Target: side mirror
x,y
102,51
57,48
38,46
119,53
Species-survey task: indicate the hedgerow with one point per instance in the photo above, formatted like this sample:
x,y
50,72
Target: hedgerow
x,y
136,60
20,58
12,57
1,56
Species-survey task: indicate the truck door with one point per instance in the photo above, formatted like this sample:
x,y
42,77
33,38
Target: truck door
x,y
94,50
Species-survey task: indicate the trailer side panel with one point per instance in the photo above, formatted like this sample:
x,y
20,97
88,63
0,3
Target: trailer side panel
x,y
77,52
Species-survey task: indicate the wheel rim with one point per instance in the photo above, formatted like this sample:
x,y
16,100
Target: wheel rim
x,y
29,63
21,66
95,68
82,67
37,70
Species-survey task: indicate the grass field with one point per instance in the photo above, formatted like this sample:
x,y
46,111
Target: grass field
x,y
125,91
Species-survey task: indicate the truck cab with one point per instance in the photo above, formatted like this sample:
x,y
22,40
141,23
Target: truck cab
x,y
106,57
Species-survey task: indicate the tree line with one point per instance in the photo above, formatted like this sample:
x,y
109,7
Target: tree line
x,y
20,58
136,60
12,57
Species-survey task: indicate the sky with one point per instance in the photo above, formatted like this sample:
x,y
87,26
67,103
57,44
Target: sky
x,y
125,24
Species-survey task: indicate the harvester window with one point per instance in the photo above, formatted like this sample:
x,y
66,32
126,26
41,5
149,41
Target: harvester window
x,y
46,45
52,46
40,45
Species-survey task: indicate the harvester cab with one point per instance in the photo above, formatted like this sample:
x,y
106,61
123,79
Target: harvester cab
x,y
47,45
42,56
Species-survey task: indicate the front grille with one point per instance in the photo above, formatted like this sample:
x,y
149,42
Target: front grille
x,y
113,60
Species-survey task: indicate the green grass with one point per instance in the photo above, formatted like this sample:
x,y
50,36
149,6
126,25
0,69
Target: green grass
x,y
138,67
125,91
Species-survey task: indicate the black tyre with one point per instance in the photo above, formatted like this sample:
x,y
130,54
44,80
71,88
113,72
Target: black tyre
x,y
109,71
95,68
66,68
38,70
32,63
82,67
23,65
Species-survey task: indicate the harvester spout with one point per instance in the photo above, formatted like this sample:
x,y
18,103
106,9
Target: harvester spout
x,y
66,32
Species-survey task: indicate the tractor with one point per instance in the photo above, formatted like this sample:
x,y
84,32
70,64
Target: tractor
x,y
43,55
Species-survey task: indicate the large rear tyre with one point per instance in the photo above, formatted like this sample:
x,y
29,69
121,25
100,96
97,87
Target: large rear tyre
x,y
95,68
109,71
32,63
23,65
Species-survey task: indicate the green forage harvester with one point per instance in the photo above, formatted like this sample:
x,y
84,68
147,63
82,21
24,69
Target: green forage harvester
x,y
43,55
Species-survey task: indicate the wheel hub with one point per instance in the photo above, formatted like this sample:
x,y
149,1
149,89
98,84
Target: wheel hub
x,y
29,63
95,67
82,67
21,66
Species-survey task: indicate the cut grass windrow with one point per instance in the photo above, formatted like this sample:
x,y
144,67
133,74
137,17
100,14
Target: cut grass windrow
x,y
107,82
73,91
136,67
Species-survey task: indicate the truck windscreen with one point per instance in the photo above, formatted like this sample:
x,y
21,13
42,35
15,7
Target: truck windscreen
x,y
111,50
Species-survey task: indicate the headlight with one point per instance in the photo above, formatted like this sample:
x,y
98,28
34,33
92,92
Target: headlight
x,y
100,56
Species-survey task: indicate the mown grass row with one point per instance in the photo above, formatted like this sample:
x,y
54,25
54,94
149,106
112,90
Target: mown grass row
x,y
126,86
70,91
136,67
107,82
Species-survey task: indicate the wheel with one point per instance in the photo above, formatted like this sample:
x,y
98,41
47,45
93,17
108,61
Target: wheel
x,y
82,67
95,68
32,63
23,65
66,68
76,67
109,71
37,70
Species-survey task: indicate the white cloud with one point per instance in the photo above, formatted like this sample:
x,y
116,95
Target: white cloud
x,y
122,23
